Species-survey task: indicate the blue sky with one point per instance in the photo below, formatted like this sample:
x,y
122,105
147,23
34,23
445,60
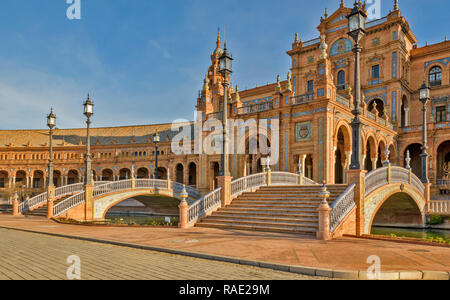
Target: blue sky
x,y
143,61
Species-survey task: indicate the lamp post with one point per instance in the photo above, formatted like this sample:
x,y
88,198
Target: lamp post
x,y
156,140
51,123
424,97
356,24
225,69
88,112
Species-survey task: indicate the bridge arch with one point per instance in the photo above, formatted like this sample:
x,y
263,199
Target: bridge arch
x,y
398,209
104,203
391,183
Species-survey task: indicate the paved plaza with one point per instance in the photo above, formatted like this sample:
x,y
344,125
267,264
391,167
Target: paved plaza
x,y
33,256
287,249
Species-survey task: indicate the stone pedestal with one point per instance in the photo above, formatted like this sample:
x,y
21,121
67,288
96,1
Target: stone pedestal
x,y
427,195
49,209
357,177
15,208
89,202
224,182
183,210
324,222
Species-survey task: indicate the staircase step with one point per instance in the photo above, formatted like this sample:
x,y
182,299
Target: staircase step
x,y
253,220
298,230
280,206
289,209
269,210
244,213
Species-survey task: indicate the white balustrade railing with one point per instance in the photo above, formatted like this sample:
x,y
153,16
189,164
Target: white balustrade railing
x,y
376,179
112,187
151,184
441,207
60,192
417,183
68,189
31,203
307,181
68,203
380,177
243,184
284,178
204,205
342,207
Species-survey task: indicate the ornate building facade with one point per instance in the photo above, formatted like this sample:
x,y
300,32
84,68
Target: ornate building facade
x,y
313,106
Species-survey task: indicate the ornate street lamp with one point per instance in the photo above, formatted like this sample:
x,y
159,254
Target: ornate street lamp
x,y
156,140
225,69
424,97
88,112
356,24
51,123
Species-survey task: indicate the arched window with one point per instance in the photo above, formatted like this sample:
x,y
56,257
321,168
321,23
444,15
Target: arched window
x,y
435,76
341,80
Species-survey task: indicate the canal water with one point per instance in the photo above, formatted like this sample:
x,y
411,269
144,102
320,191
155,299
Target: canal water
x,y
412,232
142,219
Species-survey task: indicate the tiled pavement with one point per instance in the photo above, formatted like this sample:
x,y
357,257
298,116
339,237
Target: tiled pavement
x,y
287,249
34,256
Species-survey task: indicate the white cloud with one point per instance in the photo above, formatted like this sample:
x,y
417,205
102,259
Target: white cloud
x,y
158,46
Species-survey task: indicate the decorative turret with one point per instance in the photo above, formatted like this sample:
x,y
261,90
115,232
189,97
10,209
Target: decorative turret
x,y
278,87
205,85
237,97
289,83
218,51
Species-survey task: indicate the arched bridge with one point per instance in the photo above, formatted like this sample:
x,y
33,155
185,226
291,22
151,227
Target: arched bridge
x,y
78,202
383,183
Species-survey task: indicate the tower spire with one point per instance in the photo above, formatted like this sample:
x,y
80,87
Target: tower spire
x,y
218,37
342,3
395,5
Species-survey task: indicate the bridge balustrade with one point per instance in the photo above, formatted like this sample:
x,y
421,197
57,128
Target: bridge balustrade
x,y
31,203
441,207
341,207
68,204
204,205
391,174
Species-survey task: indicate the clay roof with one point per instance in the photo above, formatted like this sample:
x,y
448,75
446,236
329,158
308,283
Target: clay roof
x,y
75,137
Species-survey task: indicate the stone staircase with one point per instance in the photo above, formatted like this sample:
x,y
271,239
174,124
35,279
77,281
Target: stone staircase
x,y
42,211
287,209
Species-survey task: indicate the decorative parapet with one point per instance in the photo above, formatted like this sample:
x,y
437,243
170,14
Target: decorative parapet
x,y
341,207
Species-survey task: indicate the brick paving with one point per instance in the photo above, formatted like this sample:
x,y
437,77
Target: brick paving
x,y
288,249
30,256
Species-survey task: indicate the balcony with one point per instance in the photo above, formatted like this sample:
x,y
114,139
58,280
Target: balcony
x,y
302,99
342,100
255,108
215,115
